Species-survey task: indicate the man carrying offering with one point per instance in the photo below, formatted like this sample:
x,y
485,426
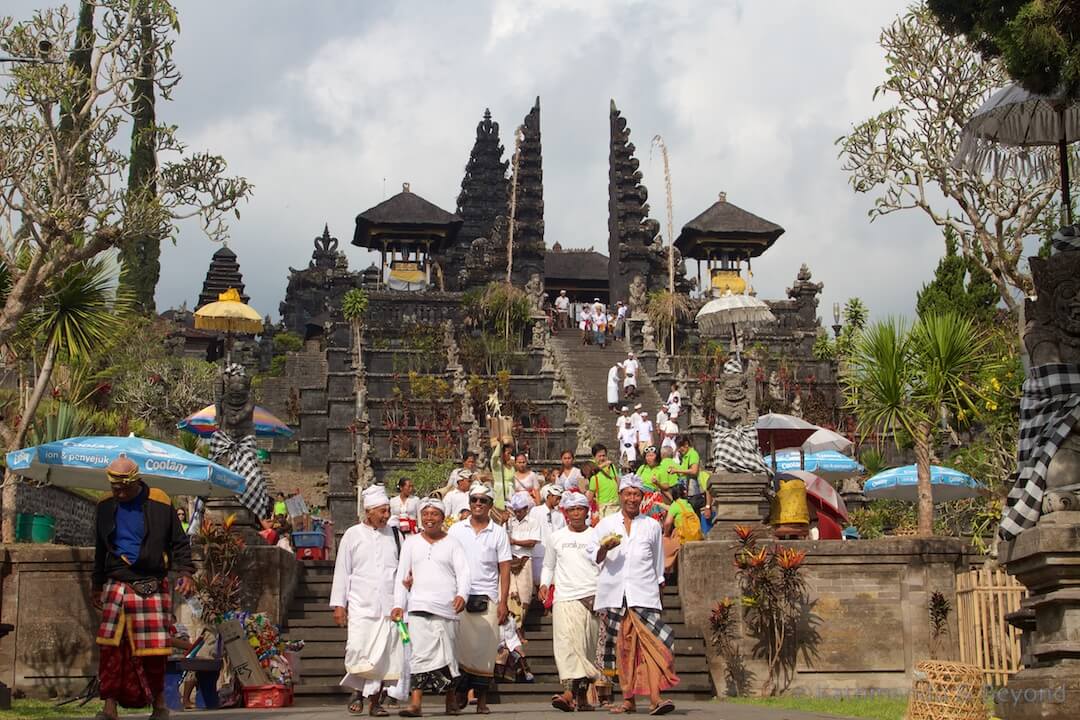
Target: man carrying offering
x,y
525,534
570,565
488,549
138,540
438,572
640,646
362,598
456,502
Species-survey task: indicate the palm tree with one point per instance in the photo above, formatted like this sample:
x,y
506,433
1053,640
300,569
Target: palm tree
x,y
906,380
80,311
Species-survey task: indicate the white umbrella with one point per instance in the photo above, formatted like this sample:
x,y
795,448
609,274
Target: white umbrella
x,y
732,310
825,439
1016,117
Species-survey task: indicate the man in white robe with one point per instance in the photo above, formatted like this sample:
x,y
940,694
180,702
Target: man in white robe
x,y
488,549
630,371
550,518
362,598
437,573
627,445
613,387
570,571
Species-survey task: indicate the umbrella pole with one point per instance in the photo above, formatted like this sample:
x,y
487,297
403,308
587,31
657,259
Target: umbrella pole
x,y
1063,161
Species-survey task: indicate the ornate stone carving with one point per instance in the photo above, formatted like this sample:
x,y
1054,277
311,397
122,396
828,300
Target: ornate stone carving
x,y
234,403
697,415
638,298
534,289
663,363
529,248
648,339
1052,336
547,367
483,197
539,334
776,390
734,397
313,295
796,405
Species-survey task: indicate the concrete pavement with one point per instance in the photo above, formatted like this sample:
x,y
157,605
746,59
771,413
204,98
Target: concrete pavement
x,y
697,710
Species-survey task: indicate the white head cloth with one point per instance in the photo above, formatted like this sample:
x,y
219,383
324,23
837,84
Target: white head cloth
x,y
630,481
432,502
375,496
481,490
574,499
550,490
521,501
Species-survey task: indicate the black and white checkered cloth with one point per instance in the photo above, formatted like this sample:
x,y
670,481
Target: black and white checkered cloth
x,y
241,458
652,619
1049,411
736,449
733,366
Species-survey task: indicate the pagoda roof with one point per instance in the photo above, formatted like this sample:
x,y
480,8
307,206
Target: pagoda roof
x,y
724,226
405,220
575,265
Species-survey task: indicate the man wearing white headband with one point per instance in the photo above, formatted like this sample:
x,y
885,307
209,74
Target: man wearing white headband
x,y
550,518
362,598
439,570
631,559
456,502
488,550
525,534
570,564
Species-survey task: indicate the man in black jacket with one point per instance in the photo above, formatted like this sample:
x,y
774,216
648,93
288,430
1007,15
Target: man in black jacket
x,y
138,541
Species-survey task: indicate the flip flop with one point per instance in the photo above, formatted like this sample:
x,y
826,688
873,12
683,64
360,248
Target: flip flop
x,y
409,712
624,709
560,703
585,707
356,704
663,708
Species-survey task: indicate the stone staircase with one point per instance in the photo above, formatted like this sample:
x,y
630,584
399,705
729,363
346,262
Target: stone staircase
x,y
586,368
310,619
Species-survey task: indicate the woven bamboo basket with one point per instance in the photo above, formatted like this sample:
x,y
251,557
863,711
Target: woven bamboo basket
x,y
947,691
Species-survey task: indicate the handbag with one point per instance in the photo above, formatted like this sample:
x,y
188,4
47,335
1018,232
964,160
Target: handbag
x,y
477,604
145,587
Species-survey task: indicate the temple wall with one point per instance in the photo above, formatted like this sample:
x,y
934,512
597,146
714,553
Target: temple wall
x,y
73,513
869,609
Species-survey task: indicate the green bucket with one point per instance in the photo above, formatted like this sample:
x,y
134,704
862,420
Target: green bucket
x,y
263,454
23,522
43,529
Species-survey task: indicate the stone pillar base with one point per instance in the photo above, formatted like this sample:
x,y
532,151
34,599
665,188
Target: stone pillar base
x,y
1041,693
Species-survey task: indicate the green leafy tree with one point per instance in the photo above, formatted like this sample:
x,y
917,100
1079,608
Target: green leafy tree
x,y
959,285
1038,40
904,155
855,316
903,380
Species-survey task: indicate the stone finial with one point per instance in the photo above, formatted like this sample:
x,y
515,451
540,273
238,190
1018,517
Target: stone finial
x,y
722,197
405,187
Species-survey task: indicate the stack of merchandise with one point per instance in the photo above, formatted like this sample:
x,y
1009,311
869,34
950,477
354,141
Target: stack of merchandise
x,y
277,658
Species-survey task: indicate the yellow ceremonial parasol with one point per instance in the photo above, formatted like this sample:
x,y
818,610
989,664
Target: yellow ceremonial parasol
x,y
231,315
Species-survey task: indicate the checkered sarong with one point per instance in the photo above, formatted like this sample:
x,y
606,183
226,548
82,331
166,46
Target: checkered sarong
x,y
1049,411
145,620
240,457
736,449
733,366
652,619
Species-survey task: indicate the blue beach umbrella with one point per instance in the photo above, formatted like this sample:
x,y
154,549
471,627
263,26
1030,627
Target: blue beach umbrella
x,y
828,464
902,484
80,462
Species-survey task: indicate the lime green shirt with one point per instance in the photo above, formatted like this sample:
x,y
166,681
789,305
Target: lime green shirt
x,y
679,507
690,459
605,485
280,508
655,478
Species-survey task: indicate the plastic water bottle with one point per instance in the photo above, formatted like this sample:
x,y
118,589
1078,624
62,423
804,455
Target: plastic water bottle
x,y
403,630
195,604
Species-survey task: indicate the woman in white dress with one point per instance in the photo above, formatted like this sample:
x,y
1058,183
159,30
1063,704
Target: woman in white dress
x,y
525,480
569,478
613,388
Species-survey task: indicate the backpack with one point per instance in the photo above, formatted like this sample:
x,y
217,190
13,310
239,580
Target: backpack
x,y
688,527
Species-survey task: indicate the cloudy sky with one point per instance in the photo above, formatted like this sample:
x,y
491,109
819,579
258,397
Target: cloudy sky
x,y
328,106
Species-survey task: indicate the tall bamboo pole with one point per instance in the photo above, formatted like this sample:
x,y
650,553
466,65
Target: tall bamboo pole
x,y
519,135
659,141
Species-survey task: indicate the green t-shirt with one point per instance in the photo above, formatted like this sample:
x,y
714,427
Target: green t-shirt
x,y
605,485
280,508
679,507
655,478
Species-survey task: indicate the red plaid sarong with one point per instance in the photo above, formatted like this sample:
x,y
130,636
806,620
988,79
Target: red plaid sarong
x,y
146,621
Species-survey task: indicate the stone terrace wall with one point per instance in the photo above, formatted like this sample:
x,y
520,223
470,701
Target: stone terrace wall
x,y
74,514
870,598
46,596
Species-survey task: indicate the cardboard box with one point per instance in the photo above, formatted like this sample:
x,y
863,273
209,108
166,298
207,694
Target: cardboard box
x,y
242,658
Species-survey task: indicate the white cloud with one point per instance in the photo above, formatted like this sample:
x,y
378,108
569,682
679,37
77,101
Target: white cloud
x,y
749,98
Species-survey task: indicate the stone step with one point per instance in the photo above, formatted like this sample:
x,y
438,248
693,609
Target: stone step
x,y
313,693
318,667
691,646
309,606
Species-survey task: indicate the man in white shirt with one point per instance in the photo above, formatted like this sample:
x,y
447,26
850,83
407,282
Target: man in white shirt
x,y
644,432
674,403
612,387
456,502
661,417
570,564
525,534
404,508
550,518
468,464
362,598
631,559
438,575
630,371
627,445
620,421
562,307
488,549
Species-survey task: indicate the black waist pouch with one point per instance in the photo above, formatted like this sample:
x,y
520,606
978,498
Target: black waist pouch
x,y
477,604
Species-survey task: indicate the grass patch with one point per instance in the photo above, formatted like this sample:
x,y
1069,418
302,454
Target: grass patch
x,y
873,708
33,709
